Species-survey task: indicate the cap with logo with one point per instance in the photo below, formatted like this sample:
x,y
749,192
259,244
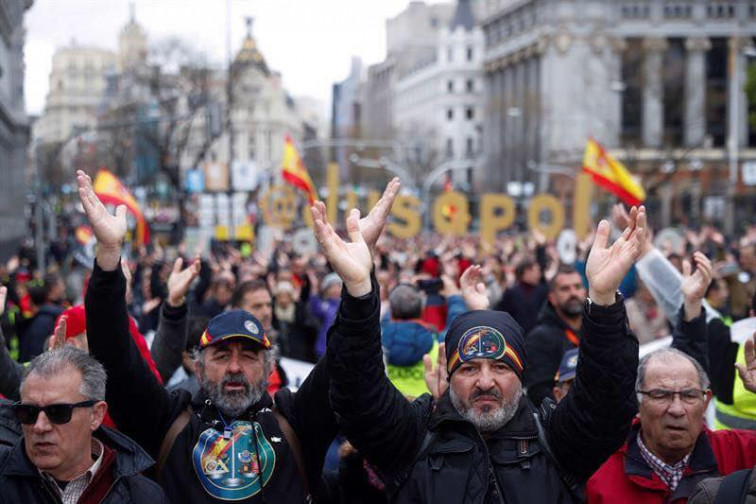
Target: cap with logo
x,y
231,325
568,366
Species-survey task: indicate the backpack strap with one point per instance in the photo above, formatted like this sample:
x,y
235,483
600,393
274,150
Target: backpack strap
x,y
394,483
296,447
734,487
569,480
170,438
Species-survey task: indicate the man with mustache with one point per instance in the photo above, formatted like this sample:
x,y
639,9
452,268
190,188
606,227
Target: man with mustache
x,y
230,441
482,441
558,330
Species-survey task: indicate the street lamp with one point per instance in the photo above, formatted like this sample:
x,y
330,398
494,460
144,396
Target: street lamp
x,y
748,51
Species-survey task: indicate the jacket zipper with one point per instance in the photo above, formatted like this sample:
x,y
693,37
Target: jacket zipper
x,y
490,470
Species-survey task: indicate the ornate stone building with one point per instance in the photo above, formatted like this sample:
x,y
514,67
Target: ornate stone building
x,y
658,82
14,126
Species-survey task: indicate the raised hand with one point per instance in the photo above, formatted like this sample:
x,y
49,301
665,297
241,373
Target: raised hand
x,y
372,225
3,296
607,266
351,260
109,230
436,377
694,285
747,372
473,289
58,339
180,280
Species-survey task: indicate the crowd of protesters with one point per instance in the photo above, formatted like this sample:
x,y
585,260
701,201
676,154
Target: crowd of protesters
x,y
444,370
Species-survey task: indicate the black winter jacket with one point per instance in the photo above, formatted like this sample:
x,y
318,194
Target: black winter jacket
x,y
459,466
20,481
545,345
201,466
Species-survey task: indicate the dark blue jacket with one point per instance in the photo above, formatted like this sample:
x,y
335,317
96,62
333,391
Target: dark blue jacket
x,y
21,482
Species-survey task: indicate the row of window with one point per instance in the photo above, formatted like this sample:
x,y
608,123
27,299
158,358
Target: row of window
x,y
469,54
469,148
511,25
724,9
469,113
469,86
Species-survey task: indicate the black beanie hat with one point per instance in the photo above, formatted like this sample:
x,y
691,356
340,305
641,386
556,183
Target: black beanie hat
x,y
485,334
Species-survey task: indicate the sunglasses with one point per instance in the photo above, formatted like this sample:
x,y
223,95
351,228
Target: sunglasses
x,y
57,413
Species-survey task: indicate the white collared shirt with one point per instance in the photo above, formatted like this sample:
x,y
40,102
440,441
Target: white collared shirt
x,y
75,488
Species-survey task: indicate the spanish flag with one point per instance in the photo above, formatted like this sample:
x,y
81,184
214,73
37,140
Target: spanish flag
x,y
612,175
295,172
111,191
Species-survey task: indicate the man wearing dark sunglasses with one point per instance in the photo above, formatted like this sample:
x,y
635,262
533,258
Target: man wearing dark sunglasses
x,y
64,455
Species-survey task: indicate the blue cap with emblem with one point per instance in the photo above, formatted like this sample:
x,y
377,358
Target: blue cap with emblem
x,y
568,366
234,324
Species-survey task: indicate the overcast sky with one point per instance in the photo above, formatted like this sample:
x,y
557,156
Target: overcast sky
x,y
309,41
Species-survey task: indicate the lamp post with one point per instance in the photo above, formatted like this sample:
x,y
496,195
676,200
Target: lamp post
x,y
737,49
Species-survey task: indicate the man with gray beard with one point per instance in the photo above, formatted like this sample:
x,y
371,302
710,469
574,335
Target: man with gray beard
x,y
481,441
558,330
231,441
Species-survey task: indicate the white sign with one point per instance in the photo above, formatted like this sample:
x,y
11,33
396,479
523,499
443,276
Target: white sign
x,y
244,175
296,371
567,246
749,173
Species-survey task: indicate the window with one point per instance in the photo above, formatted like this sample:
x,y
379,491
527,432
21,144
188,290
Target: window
x,y
449,147
469,54
470,86
470,148
673,95
450,86
450,114
449,54
469,113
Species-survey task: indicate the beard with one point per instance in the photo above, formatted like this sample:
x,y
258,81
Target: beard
x,y
572,307
490,419
233,402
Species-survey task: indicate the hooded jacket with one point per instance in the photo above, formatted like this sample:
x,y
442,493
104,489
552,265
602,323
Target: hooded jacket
x,y
21,482
214,458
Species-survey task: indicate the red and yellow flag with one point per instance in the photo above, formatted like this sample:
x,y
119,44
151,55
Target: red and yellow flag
x,y
612,175
295,172
111,191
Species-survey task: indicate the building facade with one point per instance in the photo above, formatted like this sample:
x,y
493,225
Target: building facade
x,y
14,126
660,83
78,82
438,107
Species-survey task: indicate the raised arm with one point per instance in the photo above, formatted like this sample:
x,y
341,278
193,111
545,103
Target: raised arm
x,y
375,417
592,421
690,334
10,370
139,405
171,335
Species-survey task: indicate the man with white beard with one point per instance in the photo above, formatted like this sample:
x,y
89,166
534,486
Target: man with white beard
x,y
482,441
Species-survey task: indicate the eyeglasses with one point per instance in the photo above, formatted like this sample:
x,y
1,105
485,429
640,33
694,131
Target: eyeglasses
x,y
57,413
688,396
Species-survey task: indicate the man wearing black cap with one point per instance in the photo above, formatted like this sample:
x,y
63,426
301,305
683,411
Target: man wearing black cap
x,y
230,441
482,441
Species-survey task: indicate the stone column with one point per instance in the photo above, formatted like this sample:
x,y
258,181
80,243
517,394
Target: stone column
x,y
653,91
695,90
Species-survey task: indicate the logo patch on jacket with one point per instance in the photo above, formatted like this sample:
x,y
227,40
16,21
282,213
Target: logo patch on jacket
x,y
229,468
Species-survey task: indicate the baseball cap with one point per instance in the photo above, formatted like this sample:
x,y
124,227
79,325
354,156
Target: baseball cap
x,y
568,366
234,324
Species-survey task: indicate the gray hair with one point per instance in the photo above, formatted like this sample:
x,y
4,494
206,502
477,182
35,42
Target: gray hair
x,y
60,360
406,302
665,354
